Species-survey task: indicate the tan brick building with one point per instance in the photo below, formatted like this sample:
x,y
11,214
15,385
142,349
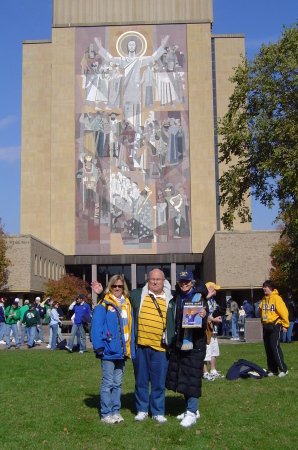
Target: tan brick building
x,y
119,153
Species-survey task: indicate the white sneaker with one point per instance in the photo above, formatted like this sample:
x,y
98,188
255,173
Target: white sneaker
x,y
48,346
118,418
208,376
39,341
81,351
2,342
216,374
70,351
108,419
159,418
141,416
189,419
283,374
13,340
181,416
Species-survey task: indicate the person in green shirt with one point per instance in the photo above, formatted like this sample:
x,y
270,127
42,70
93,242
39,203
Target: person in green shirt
x,y
12,315
32,321
24,330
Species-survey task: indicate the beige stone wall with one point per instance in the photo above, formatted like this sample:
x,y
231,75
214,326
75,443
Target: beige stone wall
x,y
31,260
228,50
203,201
121,12
242,258
63,141
36,140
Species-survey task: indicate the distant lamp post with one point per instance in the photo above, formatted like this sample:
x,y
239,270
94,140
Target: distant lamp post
x,y
252,294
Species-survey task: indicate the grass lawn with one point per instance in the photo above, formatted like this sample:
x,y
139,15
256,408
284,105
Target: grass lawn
x,y
50,400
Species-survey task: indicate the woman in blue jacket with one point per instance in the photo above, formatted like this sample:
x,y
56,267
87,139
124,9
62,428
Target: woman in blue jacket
x,y
112,336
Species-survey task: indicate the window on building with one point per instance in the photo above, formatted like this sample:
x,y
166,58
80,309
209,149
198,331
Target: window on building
x,y
45,268
35,265
40,267
53,271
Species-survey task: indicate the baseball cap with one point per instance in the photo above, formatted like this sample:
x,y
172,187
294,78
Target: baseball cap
x,y
79,296
37,298
26,302
185,275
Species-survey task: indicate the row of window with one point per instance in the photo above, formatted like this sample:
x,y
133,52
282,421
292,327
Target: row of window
x,y
47,269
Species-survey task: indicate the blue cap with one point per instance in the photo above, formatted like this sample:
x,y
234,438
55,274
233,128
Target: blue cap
x,y
185,275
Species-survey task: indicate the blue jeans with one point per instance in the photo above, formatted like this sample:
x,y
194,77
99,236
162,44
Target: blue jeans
x,y
24,331
191,404
2,330
235,328
30,336
14,328
72,336
225,327
288,335
111,386
39,332
150,365
54,336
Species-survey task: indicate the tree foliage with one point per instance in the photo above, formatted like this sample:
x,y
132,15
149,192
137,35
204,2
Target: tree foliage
x,y
4,261
66,289
260,132
260,143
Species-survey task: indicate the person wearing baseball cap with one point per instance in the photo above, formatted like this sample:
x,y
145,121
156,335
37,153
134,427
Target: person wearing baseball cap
x,y
31,320
41,311
24,330
212,350
187,351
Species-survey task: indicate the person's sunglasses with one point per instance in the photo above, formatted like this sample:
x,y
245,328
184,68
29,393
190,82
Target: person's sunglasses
x,y
114,286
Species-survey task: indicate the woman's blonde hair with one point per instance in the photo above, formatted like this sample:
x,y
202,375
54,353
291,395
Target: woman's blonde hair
x,y
112,281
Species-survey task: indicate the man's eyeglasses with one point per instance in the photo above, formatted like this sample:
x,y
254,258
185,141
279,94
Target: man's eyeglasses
x,y
114,286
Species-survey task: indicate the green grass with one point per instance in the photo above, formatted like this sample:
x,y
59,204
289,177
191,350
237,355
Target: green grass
x,y
50,400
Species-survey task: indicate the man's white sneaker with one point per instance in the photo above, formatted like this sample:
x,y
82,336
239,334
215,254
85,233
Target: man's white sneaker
x,y
48,346
81,351
108,419
118,418
181,416
2,342
189,419
159,418
39,341
216,374
141,416
270,374
70,351
283,374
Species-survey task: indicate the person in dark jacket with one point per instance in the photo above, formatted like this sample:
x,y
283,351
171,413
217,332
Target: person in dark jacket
x,y
112,336
290,304
31,320
249,311
187,354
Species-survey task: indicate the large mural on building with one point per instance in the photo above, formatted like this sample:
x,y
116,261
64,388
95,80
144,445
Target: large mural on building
x,y
132,140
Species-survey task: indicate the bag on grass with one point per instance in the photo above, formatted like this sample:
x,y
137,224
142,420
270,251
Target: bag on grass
x,y
62,345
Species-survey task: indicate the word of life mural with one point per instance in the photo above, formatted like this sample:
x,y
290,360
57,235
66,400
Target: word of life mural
x,y
132,140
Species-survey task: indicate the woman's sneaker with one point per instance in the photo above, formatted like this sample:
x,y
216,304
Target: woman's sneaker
x,y
189,419
181,416
283,374
108,419
118,418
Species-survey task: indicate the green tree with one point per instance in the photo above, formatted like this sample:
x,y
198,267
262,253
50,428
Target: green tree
x,y
66,289
4,261
259,137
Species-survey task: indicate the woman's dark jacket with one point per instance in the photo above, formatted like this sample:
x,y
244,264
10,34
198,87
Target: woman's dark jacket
x,y
185,369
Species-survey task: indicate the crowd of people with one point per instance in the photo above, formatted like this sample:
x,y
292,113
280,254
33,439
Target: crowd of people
x,y
171,337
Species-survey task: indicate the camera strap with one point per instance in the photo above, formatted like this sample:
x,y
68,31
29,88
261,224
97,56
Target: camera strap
x,y
158,308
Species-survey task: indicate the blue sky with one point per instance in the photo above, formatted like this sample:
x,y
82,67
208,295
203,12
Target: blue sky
x,y
260,20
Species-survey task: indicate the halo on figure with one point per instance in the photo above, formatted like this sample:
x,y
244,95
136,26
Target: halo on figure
x,y
123,40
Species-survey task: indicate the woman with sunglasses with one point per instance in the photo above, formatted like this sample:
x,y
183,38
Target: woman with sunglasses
x,y
112,336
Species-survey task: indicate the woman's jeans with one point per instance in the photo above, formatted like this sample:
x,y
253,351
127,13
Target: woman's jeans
x,y
54,336
111,386
288,335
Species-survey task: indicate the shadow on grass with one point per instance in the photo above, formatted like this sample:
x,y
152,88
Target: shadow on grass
x,y
174,405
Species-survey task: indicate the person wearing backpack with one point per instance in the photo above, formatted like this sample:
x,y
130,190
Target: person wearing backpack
x,y
31,320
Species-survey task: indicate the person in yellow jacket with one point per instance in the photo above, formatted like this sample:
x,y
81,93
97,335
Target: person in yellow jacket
x,y
275,321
